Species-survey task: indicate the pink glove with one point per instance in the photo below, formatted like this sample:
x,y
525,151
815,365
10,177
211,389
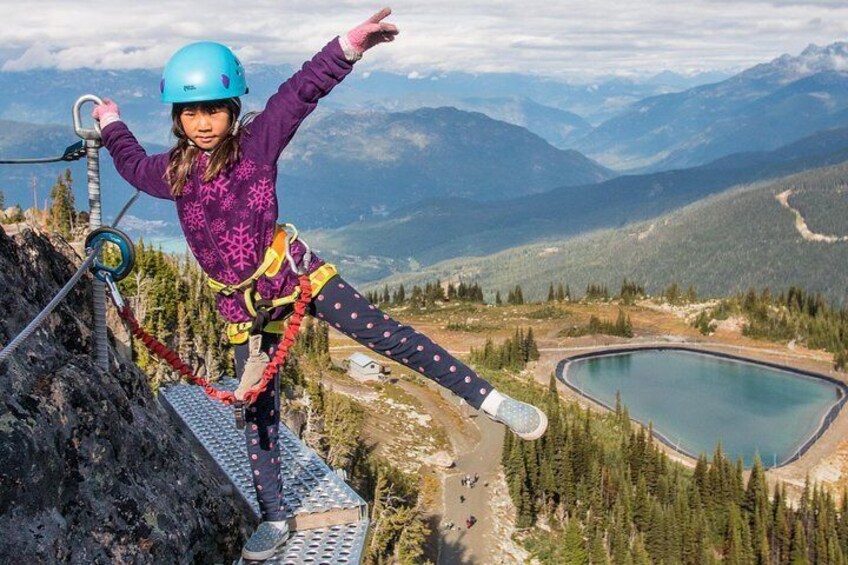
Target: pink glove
x,y
368,34
106,113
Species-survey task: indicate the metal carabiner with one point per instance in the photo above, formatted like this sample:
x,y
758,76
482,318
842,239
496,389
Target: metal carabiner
x,y
307,254
86,133
114,292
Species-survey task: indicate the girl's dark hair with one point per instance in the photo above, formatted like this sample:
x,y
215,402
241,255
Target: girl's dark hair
x,y
184,155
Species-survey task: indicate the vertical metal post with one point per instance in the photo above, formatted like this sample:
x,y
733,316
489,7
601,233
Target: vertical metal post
x,y
92,148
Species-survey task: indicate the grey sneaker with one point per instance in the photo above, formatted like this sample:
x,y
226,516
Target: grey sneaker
x,y
527,421
264,542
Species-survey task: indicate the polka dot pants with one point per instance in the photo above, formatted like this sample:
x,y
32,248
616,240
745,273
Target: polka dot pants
x,y
346,310
260,432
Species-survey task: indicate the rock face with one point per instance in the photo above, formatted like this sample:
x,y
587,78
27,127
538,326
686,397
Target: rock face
x,y
92,469
440,459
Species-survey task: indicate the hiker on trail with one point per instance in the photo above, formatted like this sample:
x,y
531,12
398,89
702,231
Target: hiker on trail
x,y
221,175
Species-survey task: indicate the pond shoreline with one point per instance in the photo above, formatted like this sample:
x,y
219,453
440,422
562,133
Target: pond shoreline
x,y
827,419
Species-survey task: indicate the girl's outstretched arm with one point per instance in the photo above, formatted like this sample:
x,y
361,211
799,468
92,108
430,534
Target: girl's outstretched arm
x,y
146,173
296,98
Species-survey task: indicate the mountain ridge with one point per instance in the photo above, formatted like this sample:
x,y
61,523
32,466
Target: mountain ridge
x,y
721,245
431,231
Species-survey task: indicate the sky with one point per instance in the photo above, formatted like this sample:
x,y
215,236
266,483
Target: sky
x,y
565,39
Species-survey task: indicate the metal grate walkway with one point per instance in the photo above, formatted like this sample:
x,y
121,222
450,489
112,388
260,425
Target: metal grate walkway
x,y
327,518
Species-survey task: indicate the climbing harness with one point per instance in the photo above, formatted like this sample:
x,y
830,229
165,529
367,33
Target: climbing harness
x,y
259,308
111,275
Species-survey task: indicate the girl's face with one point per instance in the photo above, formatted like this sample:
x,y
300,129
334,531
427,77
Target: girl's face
x,y
206,127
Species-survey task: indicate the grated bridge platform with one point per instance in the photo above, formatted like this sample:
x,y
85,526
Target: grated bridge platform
x,y
328,520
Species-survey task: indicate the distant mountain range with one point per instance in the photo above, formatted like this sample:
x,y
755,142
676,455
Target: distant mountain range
x,y
550,108
723,244
434,231
762,108
349,166
346,166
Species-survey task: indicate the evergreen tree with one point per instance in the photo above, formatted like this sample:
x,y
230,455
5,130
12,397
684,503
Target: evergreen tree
x,y
63,212
598,552
551,295
574,548
798,551
531,348
410,544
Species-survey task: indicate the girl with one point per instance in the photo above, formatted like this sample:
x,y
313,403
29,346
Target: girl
x,y
221,175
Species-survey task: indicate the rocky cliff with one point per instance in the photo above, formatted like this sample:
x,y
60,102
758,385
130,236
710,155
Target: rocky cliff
x,y
92,469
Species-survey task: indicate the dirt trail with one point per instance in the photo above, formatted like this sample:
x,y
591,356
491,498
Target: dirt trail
x,y
478,544
801,223
477,443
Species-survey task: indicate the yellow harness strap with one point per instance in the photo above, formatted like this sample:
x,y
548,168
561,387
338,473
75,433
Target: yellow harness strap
x,y
270,266
238,332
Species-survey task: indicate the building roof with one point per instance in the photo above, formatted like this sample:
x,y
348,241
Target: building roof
x,y
362,360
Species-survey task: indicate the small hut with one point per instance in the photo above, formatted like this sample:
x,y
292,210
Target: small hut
x,y
364,369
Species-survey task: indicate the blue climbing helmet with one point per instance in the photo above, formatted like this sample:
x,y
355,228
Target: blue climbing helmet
x,y
202,71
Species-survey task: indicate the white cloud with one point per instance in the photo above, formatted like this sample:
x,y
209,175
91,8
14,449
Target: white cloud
x,y
560,38
131,222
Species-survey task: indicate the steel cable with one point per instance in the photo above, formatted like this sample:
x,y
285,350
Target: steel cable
x,y
33,325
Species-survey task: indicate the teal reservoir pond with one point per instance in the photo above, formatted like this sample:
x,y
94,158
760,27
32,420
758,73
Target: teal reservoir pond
x,y
697,400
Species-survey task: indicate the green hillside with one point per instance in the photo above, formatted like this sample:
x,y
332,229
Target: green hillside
x,y
721,244
428,232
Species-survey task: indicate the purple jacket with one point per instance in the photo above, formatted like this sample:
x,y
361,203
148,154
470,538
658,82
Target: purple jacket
x,y
230,221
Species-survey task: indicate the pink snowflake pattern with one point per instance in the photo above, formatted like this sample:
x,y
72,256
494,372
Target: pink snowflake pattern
x,y
245,169
218,225
261,194
188,188
221,184
228,202
218,188
229,277
230,309
206,257
241,246
243,214
193,216
269,216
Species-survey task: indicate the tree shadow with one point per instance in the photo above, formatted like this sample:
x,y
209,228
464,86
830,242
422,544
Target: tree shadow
x,y
452,553
442,551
